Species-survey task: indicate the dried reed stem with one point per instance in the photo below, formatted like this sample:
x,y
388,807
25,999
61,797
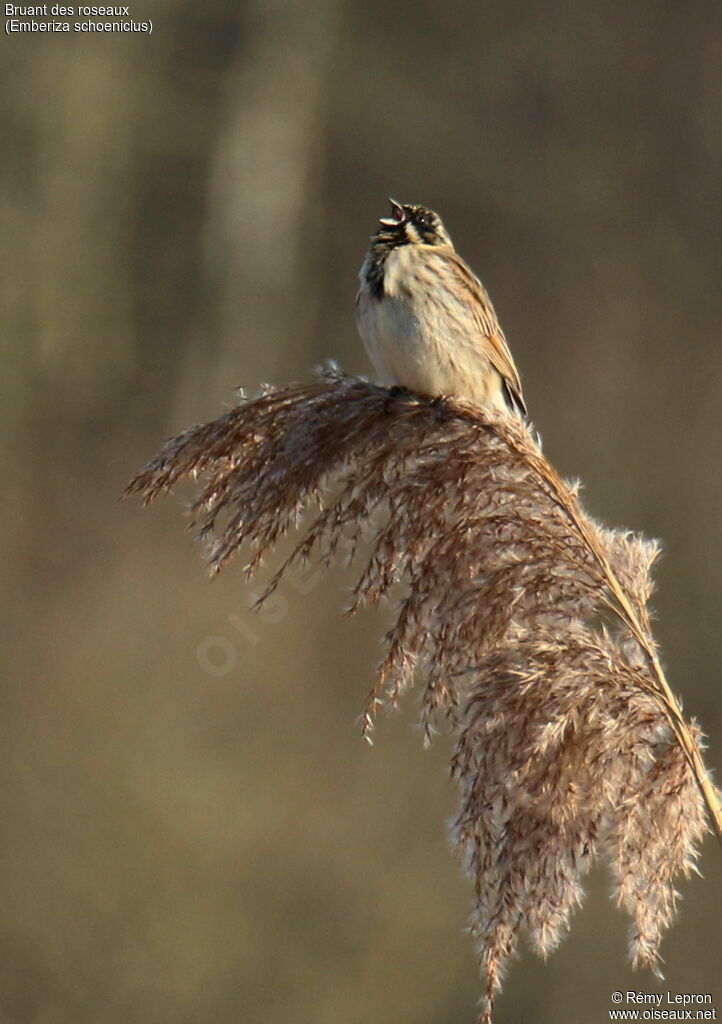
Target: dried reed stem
x,y
527,622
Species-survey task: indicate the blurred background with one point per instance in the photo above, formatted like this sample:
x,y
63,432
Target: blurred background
x,y
193,829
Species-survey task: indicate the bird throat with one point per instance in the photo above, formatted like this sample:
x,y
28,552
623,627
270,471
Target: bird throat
x,y
383,244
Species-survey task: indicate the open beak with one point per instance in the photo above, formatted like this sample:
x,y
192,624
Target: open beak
x,y
398,215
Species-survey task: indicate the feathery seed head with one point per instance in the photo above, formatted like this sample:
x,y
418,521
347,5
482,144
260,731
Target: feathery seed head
x,y
525,622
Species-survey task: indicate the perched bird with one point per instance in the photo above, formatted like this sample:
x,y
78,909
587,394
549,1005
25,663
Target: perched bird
x,y
426,320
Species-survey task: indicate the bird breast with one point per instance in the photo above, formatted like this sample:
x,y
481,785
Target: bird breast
x,y
420,332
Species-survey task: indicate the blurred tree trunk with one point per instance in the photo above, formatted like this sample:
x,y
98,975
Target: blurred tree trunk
x,y
265,206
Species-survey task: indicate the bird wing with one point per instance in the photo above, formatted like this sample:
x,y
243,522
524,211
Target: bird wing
x,y
482,311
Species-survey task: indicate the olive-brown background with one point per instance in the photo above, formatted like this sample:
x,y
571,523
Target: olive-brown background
x,y
193,831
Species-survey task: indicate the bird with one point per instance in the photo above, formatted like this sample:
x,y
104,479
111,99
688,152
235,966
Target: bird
x,y
426,320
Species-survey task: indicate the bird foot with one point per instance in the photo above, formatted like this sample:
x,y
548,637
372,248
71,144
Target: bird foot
x,y
441,409
395,393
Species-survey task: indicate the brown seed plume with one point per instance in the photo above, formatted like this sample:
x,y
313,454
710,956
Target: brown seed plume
x,y
525,622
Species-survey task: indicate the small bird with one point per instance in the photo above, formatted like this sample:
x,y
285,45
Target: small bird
x,y
426,320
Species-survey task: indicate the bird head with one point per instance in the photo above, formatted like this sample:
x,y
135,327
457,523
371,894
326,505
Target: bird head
x,y
411,224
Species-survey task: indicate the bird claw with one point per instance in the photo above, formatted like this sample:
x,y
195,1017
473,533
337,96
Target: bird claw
x,y
441,409
395,393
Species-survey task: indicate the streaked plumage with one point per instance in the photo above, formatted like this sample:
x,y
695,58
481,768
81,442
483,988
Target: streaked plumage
x,y
426,319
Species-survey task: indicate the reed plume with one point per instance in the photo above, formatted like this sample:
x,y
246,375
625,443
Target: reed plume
x,y
525,622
